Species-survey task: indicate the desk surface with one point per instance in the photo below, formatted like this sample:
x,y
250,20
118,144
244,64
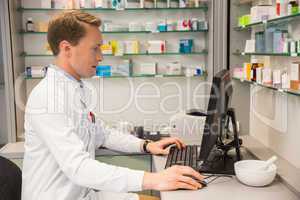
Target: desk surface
x,y
227,188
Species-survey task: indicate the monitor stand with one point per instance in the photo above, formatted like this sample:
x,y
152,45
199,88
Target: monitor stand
x,y
219,160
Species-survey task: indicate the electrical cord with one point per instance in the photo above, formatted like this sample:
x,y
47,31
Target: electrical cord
x,y
215,177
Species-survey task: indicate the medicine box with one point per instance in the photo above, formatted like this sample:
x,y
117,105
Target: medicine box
x,y
147,68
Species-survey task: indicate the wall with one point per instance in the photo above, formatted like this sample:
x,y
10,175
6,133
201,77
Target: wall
x,y
18,63
3,123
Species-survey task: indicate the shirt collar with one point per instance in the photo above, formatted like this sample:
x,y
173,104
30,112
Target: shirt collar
x,y
66,74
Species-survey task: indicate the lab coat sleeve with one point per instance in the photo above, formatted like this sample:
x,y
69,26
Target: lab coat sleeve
x,y
116,140
58,133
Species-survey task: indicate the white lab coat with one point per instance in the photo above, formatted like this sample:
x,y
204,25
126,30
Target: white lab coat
x,y
60,142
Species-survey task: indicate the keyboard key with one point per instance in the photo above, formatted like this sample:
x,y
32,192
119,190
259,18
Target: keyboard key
x,y
187,156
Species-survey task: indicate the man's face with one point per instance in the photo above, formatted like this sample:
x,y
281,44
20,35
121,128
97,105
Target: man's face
x,y
86,54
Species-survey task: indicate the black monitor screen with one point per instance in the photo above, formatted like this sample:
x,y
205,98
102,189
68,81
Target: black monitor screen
x,y
220,96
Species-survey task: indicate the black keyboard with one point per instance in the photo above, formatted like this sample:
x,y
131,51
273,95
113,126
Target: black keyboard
x,y
189,156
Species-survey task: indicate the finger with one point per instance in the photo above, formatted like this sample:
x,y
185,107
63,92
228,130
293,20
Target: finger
x,y
185,170
182,185
189,180
162,152
167,142
180,142
165,152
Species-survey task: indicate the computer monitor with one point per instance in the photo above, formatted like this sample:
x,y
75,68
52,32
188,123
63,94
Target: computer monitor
x,y
216,115
220,96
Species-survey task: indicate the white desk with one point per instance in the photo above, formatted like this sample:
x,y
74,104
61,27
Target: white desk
x,y
227,188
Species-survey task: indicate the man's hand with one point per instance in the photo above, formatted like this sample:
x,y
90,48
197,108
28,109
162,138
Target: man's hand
x,y
175,177
160,147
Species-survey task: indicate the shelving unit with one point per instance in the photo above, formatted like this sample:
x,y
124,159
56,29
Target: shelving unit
x,y
24,54
269,112
265,54
287,91
203,8
22,9
132,76
270,22
278,21
128,32
32,48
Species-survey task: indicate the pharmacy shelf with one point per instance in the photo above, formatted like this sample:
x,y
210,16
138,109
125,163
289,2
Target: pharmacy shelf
x,y
204,52
269,22
266,54
269,86
123,32
132,76
202,7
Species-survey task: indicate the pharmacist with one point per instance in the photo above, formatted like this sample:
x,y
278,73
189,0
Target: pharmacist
x,y
61,132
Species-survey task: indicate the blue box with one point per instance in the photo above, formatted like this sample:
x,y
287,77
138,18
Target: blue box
x,y
103,70
269,37
162,27
278,41
260,42
186,46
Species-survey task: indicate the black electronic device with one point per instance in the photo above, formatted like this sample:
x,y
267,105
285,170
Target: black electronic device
x,y
212,156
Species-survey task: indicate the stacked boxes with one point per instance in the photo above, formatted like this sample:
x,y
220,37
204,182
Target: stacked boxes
x,y
173,68
274,41
125,68
260,13
260,42
35,71
147,69
156,46
186,45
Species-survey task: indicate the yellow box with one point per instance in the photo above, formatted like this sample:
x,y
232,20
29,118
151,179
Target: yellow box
x,y
106,49
247,71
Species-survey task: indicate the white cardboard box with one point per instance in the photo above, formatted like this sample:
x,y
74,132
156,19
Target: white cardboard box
x,y
156,46
267,76
147,68
276,76
295,72
45,3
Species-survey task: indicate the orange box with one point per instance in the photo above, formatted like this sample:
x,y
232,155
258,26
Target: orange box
x,y
295,85
247,71
41,26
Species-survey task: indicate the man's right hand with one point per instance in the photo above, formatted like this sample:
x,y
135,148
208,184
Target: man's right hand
x,y
175,177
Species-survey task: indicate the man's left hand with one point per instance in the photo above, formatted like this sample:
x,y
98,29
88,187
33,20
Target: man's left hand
x,y
160,147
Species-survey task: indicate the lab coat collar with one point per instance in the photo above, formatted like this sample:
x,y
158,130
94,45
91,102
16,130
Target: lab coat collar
x,y
66,74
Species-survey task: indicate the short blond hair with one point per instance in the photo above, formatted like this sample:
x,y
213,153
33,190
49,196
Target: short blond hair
x,y
69,26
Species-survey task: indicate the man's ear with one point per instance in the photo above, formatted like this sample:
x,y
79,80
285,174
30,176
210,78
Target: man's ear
x,y
65,48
